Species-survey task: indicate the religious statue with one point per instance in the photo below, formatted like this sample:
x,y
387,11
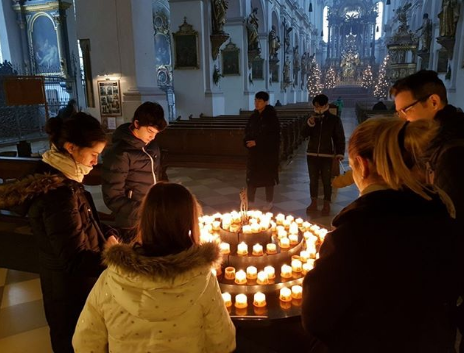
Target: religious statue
x,y
287,39
296,63
449,17
252,29
219,15
287,71
274,43
425,33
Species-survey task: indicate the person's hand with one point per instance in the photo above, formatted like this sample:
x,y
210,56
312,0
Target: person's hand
x,y
312,120
112,240
251,143
339,158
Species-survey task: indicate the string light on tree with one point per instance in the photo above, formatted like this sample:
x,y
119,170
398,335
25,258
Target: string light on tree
x,y
382,86
314,79
330,78
367,78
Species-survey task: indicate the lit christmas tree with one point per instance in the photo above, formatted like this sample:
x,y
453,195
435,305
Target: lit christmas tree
x,y
314,79
330,78
381,88
367,78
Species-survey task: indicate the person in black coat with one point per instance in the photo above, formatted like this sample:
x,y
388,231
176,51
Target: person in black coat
x,y
262,139
326,142
387,276
64,221
132,164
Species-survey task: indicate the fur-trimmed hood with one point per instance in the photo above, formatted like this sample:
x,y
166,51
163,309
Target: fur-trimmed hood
x,y
151,287
18,193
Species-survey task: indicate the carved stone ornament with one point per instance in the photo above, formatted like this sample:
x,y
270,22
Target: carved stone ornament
x,y
448,44
216,41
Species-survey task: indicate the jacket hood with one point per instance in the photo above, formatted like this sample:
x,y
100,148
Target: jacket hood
x,y
152,287
391,203
17,193
124,134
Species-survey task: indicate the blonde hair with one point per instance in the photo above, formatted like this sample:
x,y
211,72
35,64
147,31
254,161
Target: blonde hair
x,y
396,148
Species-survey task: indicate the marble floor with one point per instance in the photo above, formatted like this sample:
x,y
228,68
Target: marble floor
x,y
23,328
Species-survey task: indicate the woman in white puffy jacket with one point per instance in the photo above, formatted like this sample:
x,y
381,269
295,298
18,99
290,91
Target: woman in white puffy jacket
x,y
158,294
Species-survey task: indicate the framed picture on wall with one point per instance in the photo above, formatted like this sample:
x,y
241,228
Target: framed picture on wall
x,y
109,94
257,68
44,47
230,60
186,47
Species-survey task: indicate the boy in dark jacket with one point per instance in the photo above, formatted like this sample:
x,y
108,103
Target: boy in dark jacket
x,y
132,165
326,142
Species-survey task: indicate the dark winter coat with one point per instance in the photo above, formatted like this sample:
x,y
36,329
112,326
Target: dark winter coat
x,y
326,137
386,277
263,159
68,235
447,163
130,168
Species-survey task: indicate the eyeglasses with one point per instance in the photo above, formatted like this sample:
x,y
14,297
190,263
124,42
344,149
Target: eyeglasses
x,y
406,109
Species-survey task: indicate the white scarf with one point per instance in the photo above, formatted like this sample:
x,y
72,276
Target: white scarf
x,y
66,164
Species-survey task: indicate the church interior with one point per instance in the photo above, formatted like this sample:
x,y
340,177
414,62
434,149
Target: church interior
x,y
203,61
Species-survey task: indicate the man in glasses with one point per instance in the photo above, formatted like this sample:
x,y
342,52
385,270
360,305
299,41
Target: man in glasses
x,y
422,95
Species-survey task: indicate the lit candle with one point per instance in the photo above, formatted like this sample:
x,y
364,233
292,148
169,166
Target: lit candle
x,y
307,235
290,218
270,271
280,218
314,228
242,249
251,272
225,248
229,273
240,277
286,224
255,228
241,301
293,238
257,250
234,228
306,268
311,249
281,233
246,229
227,299
284,243
262,278
293,228
297,292
322,233
297,266
271,249
285,294
299,221
286,271
216,225
259,300
304,256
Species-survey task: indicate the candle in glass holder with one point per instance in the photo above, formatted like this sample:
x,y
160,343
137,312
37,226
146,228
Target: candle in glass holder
x,y
240,277
257,250
280,218
299,221
259,300
314,228
284,243
293,238
251,272
241,301
293,228
227,299
216,225
306,225
262,278
255,228
297,266
285,271
270,271
246,229
322,233
234,228
297,292
311,249
306,268
225,248
242,249
285,295
281,233
286,224
290,218
271,249
229,273
304,256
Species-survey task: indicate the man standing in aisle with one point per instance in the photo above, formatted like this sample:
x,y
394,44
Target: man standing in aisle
x,y
326,142
132,164
262,139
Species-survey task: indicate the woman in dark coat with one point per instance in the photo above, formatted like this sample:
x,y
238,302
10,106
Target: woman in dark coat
x,y
386,279
65,222
262,139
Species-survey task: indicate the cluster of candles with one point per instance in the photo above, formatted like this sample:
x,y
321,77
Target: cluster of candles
x,y
259,299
